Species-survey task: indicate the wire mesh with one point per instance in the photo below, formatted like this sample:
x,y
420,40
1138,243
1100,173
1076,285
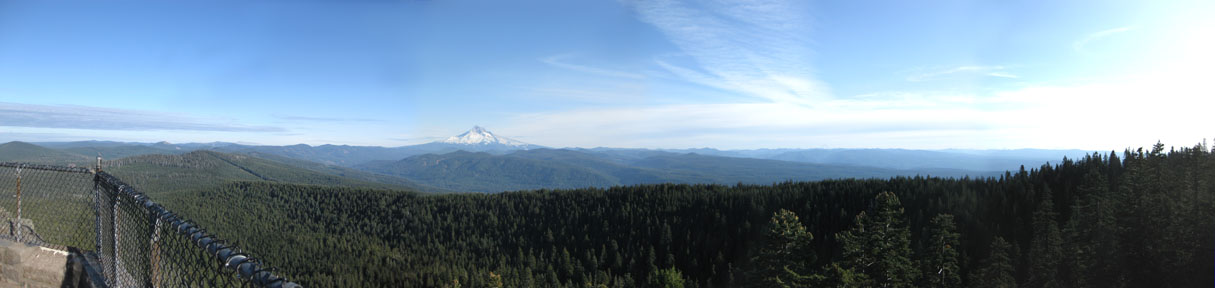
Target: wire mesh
x,y
136,242
46,205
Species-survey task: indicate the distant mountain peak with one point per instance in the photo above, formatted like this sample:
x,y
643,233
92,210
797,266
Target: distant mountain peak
x,y
480,136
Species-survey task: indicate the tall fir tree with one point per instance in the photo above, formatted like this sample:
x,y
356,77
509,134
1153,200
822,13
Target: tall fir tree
x,y
1045,251
666,278
997,271
786,254
941,263
836,276
1092,235
879,246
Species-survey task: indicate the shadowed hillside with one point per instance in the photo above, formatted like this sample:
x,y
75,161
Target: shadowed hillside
x,y
1116,212
207,169
25,152
563,169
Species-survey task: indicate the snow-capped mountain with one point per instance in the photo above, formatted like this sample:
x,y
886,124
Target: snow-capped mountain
x,y
478,136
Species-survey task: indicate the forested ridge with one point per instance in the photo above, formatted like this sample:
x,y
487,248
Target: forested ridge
x,y
1140,218
571,169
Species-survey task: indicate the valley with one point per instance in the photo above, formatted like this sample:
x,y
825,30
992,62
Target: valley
x,y
621,217
480,161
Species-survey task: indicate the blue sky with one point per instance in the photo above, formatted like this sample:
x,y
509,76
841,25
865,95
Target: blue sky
x,y
654,74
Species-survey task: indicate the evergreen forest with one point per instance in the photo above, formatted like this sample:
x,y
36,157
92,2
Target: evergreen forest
x,y
1139,218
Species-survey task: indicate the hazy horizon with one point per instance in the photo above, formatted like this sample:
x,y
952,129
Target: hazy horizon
x,y
598,147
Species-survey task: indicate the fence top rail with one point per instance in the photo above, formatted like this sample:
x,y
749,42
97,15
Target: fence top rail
x,y
230,257
46,167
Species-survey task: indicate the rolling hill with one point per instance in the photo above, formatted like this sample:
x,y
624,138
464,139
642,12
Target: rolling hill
x,y
160,173
562,168
484,172
26,152
347,172
115,152
947,162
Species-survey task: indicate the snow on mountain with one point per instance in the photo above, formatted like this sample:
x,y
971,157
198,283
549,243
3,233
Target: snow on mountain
x,y
480,136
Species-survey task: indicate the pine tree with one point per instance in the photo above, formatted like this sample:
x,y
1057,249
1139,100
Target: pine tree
x,y
997,270
879,246
786,254
1075,252
1092,235
666,278
494,280
941,263
840,277
1045,251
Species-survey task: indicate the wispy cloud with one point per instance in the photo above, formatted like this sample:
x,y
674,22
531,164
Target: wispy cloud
x,y
595,96
1079,44
563,61
746,125
1169,101
759,49
992,71
1042,116
415,140
1003,75
324,119
98,118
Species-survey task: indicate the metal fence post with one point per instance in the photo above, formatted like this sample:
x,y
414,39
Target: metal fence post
x,y
97,201
114,227
154,258
17,226
178,260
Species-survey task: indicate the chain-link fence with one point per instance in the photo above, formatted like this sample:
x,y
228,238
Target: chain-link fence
x,y
46,205
132,241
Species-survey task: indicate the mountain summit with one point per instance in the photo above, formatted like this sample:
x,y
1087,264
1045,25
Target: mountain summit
x,y
480,137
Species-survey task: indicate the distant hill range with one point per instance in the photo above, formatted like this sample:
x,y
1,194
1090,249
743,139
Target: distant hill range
x,y
26,152
481,161
170,170
168,173
559,168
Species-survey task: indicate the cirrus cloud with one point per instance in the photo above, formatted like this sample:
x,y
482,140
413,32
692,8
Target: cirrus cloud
x,y
1083,41
99,118
759,49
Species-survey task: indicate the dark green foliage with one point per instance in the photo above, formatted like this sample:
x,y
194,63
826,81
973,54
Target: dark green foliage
x,y
840,277
1045,250
879,245
666,278
786,255
996,271
941,261
1091,246
1157,205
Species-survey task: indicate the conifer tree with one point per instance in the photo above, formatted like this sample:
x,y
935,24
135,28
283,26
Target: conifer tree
x,y
1045,251
1092,235
786,254
941,263
840,277
879,246
666,278
997,270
